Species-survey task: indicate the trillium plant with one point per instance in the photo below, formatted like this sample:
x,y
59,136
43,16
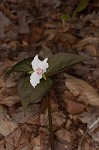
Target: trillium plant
x,y
36,79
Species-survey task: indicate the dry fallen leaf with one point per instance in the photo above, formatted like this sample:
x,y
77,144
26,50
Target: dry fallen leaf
x,y
36,143
88,40
58,118
23,24
88,45
2,83
82,90
22,117
18,139
10,100
13,1
64,135
86,145
36,33
44,139
50,34
4,66
4,21
12,80
7,125
63,140
90,118
45,52
8,95
74,107
59,145
93,17
91,50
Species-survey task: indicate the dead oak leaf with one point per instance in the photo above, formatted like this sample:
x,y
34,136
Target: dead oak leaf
x,y
12,80
86,145
18,139
82,90
8,93
24,117
7,125
89,40
4,66
90,118
64,135
58,118
74,107
10,100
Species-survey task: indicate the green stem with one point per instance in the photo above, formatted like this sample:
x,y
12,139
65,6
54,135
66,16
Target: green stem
x,y
50,123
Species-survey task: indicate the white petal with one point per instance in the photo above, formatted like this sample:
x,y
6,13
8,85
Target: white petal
x,y
45,64
36,63
35,79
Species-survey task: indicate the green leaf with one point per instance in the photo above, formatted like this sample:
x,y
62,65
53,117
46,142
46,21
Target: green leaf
x,y
61,61
65,17
23,66
81,6
28,94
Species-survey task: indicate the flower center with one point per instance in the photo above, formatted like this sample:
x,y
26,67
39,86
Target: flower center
x,y
39,71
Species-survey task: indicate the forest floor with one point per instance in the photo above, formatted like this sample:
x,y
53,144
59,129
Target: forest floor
x,y
30,27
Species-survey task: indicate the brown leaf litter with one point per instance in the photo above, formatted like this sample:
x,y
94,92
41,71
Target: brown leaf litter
x,y
35,26
83,91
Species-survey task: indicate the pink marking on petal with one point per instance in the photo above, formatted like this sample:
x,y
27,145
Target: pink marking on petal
x,y
39,71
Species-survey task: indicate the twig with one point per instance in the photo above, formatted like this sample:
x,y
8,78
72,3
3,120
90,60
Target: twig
x,y
90,127
50,123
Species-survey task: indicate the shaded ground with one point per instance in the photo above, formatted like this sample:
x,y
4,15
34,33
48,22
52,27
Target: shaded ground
x,y
39,27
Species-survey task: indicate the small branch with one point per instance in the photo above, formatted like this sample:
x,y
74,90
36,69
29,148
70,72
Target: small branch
x,y
85,133
50,123
94,123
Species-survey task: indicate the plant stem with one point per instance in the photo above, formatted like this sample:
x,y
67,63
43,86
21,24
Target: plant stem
x,y
50,123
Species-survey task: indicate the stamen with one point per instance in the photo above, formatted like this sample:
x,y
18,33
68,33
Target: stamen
x,y
39,71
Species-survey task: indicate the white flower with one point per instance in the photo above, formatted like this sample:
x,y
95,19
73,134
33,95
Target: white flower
x,y
39,68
